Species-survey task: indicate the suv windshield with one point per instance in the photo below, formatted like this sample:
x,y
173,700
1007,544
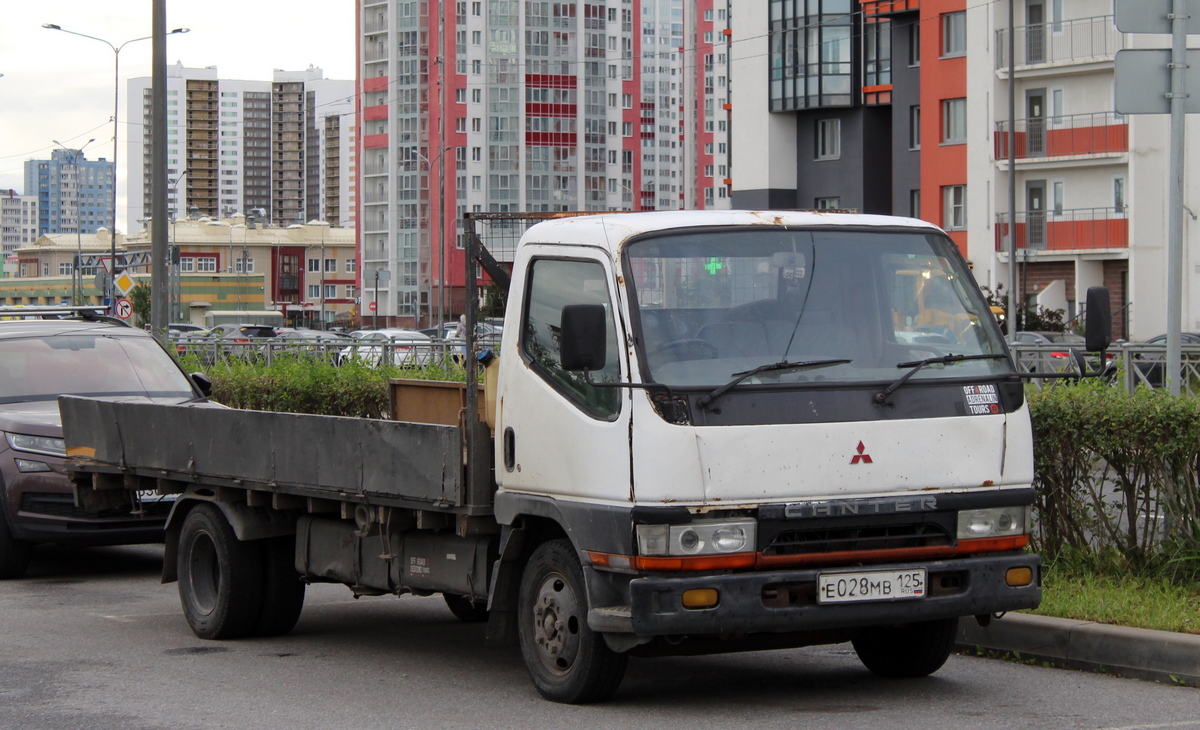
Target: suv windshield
x,y
43,368
713,304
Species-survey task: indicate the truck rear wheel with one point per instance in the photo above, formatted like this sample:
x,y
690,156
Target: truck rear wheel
x,y
220,577
283,591
14,553
466,610
567,661
911,650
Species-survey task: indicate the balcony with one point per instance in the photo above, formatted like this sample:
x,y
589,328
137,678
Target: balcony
x,y
1080,229
1101,133
1086,40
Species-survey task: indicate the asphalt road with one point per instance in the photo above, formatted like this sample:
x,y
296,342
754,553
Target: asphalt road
x,y
90,639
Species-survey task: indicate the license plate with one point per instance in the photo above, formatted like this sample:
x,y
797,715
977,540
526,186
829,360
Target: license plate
x,y
879,585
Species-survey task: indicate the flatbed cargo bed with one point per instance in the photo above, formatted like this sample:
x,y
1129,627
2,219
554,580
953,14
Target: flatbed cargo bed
x,y
125,445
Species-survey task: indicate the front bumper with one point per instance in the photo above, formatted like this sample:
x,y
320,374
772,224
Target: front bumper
x,y
784,601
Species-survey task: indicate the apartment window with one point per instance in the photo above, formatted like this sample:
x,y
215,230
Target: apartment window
x,y
476,124
476,154
954,34
460,124
829,139
314,291
350,266
460,96
476,37
877,39
330,266
64,269
1058,197
314,265
914,127
331,291
954,207
626,129
914,203
1119,194
832,203
954,121
244,265
477,67
914,43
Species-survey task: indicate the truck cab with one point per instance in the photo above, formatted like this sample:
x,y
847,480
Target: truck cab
x,y
798,425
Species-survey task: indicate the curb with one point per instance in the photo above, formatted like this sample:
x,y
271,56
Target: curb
x,y
1160,656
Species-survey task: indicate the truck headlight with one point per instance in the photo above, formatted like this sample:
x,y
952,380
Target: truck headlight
x,y
697,538
993,522
36,444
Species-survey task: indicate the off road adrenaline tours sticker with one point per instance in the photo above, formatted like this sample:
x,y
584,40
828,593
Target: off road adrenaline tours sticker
x,y
981,399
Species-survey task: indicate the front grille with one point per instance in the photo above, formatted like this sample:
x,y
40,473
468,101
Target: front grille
x,y
815,541
63,505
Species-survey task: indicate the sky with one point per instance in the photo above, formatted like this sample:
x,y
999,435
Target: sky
x,y
57,86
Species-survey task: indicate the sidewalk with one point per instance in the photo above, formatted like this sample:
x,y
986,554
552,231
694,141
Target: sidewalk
x,y
1160,656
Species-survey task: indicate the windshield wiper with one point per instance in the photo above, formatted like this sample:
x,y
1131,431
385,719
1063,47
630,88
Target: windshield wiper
x,y
882,396
707,400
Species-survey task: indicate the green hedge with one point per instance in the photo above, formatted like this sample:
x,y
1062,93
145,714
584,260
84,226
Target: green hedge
x,y
1116,477
311,385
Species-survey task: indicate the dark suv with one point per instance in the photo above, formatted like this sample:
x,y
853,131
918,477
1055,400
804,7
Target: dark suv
x,y
41,359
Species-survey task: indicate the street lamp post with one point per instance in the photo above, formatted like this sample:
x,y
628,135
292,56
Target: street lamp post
x,y
76,274
116,49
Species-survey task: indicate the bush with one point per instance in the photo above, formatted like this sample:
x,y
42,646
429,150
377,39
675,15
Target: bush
x,y
312,385
1116,477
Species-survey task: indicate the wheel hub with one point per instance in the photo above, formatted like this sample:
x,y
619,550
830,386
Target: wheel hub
x,y
556,623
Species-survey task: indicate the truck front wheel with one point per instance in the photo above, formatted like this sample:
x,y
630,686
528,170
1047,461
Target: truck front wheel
x,y
567,661
220,577
911,650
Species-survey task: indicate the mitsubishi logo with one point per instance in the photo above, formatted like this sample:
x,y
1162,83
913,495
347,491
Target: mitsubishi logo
x,y
860,456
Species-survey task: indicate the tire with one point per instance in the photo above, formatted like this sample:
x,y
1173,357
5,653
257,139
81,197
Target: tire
x,y
220,577
911,650
283,591
466,610
14,553
567,661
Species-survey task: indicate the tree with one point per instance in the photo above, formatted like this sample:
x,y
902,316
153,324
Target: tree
x,y
140,299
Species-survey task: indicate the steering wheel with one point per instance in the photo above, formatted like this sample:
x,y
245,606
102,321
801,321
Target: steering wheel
x,y
690,348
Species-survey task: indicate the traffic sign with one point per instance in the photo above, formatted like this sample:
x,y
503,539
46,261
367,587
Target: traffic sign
x,y
371,306
1143,80
124,283
1152,16
124,308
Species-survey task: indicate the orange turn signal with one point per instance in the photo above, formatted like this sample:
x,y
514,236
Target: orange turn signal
x,y
1018,577
700,598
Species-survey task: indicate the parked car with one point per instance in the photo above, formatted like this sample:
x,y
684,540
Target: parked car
x,y
188,327
315,342
88,356
1152,365
398,346
242,332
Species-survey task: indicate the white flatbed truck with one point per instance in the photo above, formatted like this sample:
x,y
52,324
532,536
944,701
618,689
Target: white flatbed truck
x,y
703,431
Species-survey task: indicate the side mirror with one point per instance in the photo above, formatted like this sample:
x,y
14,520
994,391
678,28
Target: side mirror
x,y
582,337
203,383
1098,327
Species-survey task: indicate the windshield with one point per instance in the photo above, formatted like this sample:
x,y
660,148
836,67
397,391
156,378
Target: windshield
x,y
713,304
43,368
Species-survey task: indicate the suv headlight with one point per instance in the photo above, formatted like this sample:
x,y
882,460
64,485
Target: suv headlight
x,y
36,444
697,538
994,522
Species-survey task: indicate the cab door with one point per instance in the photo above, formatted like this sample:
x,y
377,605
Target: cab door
x,y
556,434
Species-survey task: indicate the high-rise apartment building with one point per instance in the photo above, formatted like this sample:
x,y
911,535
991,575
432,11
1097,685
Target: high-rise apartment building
x,y
18,221
282,147
1089,185
901,107
74,194
506,105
